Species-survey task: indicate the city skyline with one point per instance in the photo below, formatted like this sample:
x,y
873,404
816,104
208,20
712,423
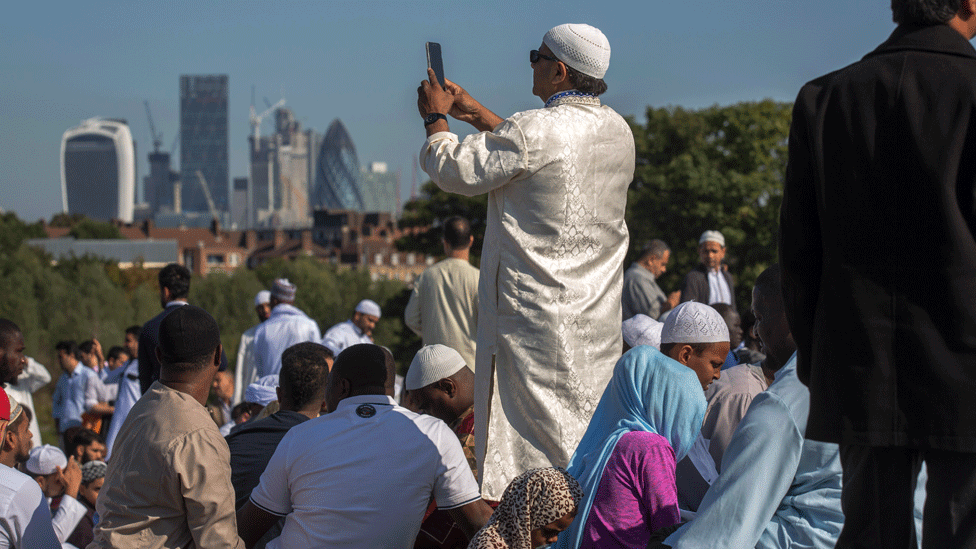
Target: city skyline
x,y
362,64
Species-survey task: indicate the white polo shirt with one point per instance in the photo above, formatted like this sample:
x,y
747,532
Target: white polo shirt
x,y
362,476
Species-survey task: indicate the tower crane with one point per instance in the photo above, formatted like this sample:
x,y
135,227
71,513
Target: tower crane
x,y
257,118
206,194
157,137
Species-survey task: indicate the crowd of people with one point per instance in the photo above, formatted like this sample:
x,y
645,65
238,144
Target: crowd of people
x,y
559,399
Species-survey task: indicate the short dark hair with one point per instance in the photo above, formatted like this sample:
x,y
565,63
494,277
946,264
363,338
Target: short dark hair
x,y
7,330
135,331
584,82
457,233
770,281
176,278
252,408
116,352
87,346
304,373
365,365
924,12
68,346
188,338
84,437
698,348
654,248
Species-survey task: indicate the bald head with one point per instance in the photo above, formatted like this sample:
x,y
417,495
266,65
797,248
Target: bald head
x,y
363,369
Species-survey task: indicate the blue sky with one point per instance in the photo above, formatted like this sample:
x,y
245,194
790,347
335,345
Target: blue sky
x,y
362,62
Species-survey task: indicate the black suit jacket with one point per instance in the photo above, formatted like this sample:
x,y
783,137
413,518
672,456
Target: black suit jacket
x,y
148,340
877,247
695,286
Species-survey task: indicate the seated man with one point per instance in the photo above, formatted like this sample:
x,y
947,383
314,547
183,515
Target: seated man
x,y
358,329
363,474
86,445
59,480
92,479
168,481
776,488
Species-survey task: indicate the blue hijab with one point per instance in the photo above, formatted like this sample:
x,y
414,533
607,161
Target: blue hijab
x,y
648,392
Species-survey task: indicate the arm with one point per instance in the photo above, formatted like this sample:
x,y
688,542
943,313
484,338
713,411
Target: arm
x,y
453,100
71,511
34,376
253,522
411,316
800,245
724,415
28,521
739,505
202,468
471,517
94,388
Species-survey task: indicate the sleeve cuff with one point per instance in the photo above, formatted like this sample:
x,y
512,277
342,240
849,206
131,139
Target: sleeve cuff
x,y
455,506
265,509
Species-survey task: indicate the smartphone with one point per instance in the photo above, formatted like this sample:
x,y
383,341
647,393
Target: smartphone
x,y
434,60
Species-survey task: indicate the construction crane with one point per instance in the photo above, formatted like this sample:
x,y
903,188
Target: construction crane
x,y
157,137
206,194
257,118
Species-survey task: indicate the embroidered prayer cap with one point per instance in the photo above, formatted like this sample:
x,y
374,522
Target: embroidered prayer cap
x,y
712,236
264,296
187,334
642,330
45,460
92,471
432,364
369,307
262,391
283,290
15,408
693,322
580,46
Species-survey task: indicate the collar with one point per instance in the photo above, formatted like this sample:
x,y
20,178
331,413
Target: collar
x,y
790,366
176,303
354,401
572,97
355,328
933,38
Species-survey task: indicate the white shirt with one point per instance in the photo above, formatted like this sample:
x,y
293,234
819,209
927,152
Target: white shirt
x,y
718,288
25,518
332,478
34,376
286,326
342,335
69,514
245,373
129,393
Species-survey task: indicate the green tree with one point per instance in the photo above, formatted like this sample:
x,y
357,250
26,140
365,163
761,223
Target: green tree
x,y
718,168
88,229
428,212
13,232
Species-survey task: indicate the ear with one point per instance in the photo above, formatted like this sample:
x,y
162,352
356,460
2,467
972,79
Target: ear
x,y
448,386
217,354
684,354
561,74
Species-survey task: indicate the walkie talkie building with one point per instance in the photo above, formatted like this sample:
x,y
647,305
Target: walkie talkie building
x,y
98,170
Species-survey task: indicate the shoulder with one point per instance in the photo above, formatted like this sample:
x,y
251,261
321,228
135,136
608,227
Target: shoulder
x,y
737,380
642,442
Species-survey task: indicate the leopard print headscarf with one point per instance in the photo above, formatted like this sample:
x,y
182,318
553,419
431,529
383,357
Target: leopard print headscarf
x,y
534,499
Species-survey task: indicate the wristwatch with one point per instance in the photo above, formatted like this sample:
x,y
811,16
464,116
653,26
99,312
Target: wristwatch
x,y
434,117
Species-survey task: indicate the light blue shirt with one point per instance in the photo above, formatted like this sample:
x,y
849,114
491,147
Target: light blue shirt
x,y
776,489
129,393
68,400
286,326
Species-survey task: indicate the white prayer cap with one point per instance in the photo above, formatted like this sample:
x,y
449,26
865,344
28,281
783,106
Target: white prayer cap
x,y
642,330
45,460
432,364
264,296
368,307
712,236
693,322
283,290
580,46
262,391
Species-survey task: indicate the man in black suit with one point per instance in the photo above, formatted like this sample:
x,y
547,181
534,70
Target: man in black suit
x,y
710,282
879,273
174,287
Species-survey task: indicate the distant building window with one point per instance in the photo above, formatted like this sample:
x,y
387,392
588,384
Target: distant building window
x,y
430,260
235,259
394,259
188,260
411,259
378,259
215,259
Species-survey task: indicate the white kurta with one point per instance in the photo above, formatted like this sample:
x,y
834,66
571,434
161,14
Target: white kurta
x,y
286,326
551,275
246,372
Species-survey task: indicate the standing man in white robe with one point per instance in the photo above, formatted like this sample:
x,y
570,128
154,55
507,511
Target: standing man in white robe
x,y
245,373
286,326
552,263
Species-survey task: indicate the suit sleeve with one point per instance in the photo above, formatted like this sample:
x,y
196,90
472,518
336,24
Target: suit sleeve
x,y
800,244
690,289
147,346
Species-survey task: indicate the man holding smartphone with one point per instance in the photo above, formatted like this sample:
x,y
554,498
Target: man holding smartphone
x,y
552,262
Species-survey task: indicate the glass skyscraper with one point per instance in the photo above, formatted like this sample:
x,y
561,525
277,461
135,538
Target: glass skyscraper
x,y
204,141
337,174
98,170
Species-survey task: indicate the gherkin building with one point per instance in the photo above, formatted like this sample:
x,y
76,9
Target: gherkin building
x,y
337,180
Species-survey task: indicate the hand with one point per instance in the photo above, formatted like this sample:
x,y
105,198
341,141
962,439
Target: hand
x,y
432,97
464,108
70,477
673,299
98,350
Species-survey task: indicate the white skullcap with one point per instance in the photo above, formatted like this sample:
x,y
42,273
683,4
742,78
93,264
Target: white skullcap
x,y
693,322
264,296
642,330
283,290
580,46
712,236
262,391
44,460
432,364
368,307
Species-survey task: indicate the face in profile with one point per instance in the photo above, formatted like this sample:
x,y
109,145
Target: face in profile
x,y
706,364
12,359
550,532
365,322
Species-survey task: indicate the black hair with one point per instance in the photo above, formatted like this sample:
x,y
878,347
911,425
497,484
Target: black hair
x,y
87,346
176,278
584,82
304,373
457,233
7,330
115,352
135,331
365,365
924,12
770,281
68,346
84,437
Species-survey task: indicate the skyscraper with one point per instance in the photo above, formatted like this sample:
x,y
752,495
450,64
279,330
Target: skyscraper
x,y
98,169
337,178
282,173
204,141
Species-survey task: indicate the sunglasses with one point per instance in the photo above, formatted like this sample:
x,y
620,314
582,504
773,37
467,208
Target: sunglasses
x,y
535,56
